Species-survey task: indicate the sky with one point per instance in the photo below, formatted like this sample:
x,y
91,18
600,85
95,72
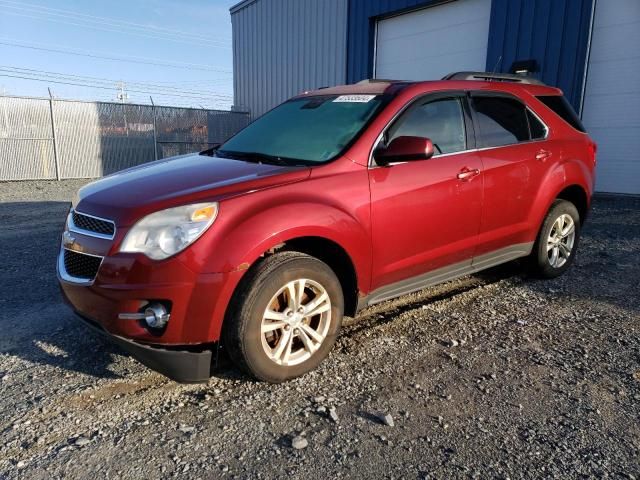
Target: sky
x,y
177,52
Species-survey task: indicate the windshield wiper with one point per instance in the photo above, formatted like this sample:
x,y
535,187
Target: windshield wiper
x,y
211,151
257,157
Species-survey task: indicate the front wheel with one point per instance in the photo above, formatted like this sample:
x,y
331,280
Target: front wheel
x,y
285,317
557,242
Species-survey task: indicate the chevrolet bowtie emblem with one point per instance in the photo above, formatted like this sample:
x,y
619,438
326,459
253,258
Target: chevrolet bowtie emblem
x,y
68,240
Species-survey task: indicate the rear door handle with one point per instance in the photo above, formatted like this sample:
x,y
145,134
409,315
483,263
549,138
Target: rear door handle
x,y
467,174
542,155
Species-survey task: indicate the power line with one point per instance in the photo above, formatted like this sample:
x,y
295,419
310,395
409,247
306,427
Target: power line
x,y
156,37
69,13
80,22
79,84
102,80
138,60
108,20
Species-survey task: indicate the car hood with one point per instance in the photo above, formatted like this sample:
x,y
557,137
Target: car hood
x,y
130,194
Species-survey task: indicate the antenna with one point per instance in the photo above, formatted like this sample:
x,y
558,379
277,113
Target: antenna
x,y
497,64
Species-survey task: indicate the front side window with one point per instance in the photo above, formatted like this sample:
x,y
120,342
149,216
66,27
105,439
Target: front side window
x,y
304,130
442,121
502,121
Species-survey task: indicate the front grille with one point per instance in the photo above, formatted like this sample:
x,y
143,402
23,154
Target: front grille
x,y
82,266
92,224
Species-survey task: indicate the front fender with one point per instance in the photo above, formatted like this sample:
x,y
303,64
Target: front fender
x,y
240,244
247,230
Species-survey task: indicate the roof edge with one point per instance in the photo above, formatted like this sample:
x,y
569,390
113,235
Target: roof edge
x,y
240,5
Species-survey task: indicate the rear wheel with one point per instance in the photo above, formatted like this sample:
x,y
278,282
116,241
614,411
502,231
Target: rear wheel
x,y
285,317
557,242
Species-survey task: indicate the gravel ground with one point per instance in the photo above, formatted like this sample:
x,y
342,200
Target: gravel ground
x,y
493,375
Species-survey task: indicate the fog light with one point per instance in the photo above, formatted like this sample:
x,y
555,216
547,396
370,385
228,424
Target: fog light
x,y
155,316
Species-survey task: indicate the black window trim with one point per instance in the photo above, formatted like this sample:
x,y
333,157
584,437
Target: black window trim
x,y
469,124
496,93
582,130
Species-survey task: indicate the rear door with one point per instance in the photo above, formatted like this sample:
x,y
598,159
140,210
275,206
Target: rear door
x,y
515,157
425,214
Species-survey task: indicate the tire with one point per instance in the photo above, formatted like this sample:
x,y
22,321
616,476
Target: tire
x,y
553,254
263,354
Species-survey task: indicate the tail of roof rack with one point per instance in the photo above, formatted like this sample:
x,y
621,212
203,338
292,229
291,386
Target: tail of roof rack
x,y
375,80
493,77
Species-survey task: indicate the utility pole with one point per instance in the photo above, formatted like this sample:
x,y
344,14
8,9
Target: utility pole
x,y
54,137
155,133
122,96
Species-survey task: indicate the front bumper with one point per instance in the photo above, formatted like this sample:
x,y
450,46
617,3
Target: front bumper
x,y
183,366
126,283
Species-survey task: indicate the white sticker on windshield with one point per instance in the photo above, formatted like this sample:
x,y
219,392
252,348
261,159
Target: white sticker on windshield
x,y
355,98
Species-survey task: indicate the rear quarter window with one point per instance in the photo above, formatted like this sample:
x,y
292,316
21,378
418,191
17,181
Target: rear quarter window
x,y
537,128
563,109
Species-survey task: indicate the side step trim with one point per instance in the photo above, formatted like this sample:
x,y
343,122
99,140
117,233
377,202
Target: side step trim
x,y
446,274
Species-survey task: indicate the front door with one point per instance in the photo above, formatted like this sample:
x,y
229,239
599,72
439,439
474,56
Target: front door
x,y
425,214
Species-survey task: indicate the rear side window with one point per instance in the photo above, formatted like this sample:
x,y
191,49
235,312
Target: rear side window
x,y
563,109
502,121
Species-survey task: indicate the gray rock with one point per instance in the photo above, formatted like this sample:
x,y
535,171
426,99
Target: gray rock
x,y
82,441
333,415
387,419
299,442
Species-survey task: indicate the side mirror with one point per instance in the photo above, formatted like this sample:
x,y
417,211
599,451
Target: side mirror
x,y
404,149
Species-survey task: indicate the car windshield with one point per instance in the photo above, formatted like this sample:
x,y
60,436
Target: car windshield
x,y
304,130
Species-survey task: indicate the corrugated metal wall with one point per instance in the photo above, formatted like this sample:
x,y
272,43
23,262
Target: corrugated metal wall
x,y
553,32
283,47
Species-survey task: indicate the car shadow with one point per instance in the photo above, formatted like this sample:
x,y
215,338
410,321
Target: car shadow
x,y
39,328
36,325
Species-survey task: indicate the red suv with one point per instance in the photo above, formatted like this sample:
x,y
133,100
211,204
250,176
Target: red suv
x,y
337,199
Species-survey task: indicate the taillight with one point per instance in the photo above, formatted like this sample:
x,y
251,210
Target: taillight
x,y
593,148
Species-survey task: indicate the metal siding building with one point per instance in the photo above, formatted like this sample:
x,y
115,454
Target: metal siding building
x,y
585,47
283,47
553,32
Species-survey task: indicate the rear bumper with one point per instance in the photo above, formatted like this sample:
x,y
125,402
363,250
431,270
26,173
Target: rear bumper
x,y
183,366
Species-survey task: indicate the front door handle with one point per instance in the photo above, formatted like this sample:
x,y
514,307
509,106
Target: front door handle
x,y
542,155
467,174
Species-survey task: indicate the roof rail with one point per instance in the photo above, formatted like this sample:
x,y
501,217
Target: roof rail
x,y
493,77
375,80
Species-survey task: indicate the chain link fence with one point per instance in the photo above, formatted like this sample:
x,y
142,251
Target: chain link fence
x,y
44,139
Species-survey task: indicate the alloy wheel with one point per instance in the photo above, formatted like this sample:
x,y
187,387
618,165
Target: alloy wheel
x,y
561,240
296,322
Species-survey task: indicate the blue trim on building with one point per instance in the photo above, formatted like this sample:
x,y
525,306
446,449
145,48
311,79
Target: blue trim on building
x,y
553,32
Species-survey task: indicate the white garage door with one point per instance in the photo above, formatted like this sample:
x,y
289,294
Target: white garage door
x,y
429,43
611,111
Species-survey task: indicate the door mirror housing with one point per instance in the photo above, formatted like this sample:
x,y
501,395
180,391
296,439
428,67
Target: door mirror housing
x,y
404,149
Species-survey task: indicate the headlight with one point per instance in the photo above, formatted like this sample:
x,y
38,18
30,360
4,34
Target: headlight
x,y
165,233
75,200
